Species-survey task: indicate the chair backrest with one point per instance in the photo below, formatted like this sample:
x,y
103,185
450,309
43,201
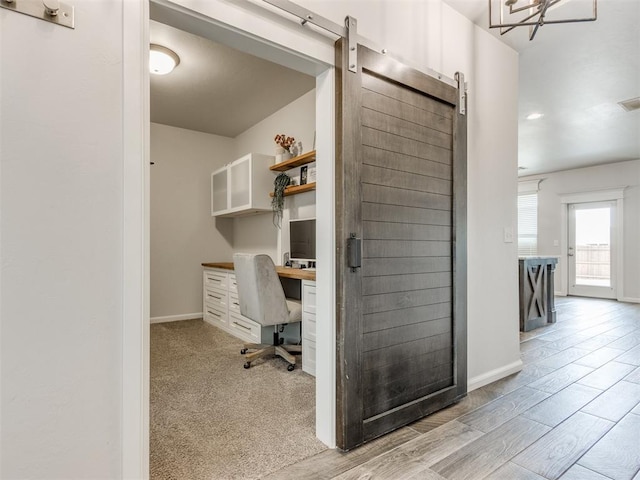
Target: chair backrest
x,y
259,289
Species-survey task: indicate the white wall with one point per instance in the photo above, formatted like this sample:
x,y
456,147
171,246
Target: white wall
x,y
61,312
257,233
183,232
602,177
296,119
494,341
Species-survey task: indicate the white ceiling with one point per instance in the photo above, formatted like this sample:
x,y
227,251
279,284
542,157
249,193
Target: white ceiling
x,y
575,74
217,89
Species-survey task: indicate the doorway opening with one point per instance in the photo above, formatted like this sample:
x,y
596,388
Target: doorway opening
x,y
322,78
591,249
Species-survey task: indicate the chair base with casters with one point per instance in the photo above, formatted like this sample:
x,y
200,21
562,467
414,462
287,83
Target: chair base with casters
x,y
262,300
277,349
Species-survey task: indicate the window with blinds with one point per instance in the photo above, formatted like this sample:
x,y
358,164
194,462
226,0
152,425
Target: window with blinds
x,y
527,224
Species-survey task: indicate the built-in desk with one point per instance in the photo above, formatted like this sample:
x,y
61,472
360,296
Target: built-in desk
x,y
221,308
285,272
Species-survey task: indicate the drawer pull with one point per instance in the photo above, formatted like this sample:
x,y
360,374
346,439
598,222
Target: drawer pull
x,y
213,296
241,326
214,314
236,303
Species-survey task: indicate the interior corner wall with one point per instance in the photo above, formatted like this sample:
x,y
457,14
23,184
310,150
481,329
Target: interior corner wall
x,y
61,221
589,179
183,232
257,233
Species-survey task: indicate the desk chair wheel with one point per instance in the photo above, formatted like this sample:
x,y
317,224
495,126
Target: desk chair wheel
x,y
247,365
243,351
290,367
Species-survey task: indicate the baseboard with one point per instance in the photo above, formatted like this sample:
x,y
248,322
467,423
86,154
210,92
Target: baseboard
x,y
493,375
175,318
630,300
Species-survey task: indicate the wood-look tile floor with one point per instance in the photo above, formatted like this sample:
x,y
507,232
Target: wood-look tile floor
x,y
572,413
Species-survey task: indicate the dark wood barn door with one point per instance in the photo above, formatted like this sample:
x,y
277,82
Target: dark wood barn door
x,y
401,227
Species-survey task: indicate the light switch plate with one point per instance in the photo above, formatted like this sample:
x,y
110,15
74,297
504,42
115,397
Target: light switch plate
x,y
508,234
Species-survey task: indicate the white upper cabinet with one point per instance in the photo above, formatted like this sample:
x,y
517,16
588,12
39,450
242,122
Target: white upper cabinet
x,y
242,187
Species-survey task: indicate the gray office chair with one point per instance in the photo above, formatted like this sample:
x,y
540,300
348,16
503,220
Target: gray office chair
x,y
262,300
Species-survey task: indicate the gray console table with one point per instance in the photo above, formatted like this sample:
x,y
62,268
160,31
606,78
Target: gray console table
x,y
537,306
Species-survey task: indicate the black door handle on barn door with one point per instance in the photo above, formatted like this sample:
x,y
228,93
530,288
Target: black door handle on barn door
x,y
354,252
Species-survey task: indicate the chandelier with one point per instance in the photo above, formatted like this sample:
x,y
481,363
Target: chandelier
x,y
536,13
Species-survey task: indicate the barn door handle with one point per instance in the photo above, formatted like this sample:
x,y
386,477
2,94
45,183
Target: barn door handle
x,y
354,252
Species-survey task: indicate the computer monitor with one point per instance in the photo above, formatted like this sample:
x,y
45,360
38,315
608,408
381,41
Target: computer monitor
x,y
302,240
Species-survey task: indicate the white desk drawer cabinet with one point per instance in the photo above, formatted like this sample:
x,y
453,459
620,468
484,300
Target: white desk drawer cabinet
x,y
234,304
309,297
233,284
216,279
221,306
309,358
214,316
309,327
243,328
216,298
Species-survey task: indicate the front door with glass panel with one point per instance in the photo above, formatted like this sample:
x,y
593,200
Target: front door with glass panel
x,y
591,249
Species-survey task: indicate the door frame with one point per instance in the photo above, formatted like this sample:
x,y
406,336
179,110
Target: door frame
x,y
614,194
592,291
275,38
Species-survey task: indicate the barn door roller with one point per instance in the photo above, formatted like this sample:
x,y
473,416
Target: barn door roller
x,y
462,93
352,43
349,31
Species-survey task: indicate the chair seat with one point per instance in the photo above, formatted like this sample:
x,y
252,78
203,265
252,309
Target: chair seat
x,y
295,310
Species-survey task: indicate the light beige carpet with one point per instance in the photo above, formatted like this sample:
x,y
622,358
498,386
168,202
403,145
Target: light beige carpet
x,y
212,419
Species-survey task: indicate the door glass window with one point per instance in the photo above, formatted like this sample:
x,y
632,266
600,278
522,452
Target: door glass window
x,y
593,247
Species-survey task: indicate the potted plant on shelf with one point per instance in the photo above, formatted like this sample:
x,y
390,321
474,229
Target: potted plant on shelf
x,y
283,152
277,202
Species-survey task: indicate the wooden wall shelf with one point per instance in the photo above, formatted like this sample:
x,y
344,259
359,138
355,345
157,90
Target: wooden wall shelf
x,y
303,159
295,189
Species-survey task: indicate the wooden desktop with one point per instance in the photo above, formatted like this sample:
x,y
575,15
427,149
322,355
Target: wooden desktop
x,y
285,272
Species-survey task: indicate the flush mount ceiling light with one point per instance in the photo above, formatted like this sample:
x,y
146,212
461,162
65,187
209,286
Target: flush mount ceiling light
x,y
536,13
534,116
162,60
631,104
